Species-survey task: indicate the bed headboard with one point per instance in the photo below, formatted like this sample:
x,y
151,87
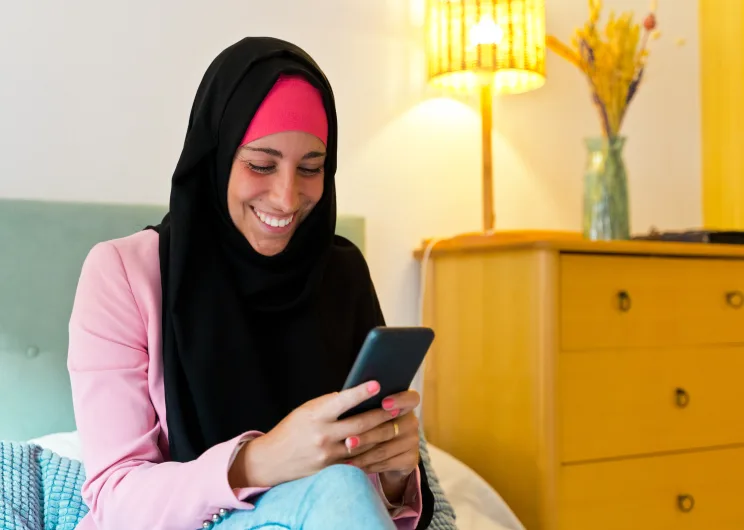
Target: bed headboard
x,y
42,248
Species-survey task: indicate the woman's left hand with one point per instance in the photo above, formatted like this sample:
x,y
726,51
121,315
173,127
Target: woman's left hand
x,y
392,448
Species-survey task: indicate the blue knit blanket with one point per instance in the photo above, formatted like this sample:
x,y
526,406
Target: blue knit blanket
x,y
40,490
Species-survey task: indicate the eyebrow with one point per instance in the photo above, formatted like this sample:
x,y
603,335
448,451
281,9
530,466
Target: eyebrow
x,y
278,154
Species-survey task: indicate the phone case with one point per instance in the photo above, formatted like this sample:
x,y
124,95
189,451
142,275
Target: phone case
x,y
391,356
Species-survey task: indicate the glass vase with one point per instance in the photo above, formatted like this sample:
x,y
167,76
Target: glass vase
x,y
606,213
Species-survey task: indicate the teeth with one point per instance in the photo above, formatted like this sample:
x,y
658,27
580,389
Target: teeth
x,y
273,221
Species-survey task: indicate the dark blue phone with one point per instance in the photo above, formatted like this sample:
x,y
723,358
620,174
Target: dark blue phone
x,y
391,356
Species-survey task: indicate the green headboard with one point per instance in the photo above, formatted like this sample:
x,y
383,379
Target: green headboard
x,y
42,248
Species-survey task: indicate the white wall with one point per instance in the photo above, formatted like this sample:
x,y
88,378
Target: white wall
x,y
94,98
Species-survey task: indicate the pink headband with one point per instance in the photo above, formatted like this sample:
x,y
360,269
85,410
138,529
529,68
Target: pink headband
x,y
293,104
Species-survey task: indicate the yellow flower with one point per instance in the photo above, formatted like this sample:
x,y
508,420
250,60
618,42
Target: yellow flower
x,y
611,60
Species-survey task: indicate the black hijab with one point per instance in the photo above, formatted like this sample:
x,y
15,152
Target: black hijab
x,y
248,338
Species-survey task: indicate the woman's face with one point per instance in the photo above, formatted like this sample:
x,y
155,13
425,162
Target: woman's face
x,y
275,182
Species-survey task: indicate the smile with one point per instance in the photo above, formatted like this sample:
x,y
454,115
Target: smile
x,y
273,221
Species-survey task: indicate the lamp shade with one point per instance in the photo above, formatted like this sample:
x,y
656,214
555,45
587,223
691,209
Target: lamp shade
x,y
472,42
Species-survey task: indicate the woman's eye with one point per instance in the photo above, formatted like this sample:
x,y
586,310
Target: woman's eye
x,y
261,169
311,170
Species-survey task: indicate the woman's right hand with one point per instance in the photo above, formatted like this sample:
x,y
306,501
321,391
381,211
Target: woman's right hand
x,y
309,439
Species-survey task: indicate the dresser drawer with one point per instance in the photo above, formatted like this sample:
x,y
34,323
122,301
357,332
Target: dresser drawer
x,y
630,301
629,402
691,491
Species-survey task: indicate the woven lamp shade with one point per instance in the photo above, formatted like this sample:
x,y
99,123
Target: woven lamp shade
x,y
472,42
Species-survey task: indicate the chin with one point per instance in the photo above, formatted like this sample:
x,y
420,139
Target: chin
x,y
269,249
267,244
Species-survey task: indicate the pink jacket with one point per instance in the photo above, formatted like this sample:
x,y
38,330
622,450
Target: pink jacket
x,y
116,372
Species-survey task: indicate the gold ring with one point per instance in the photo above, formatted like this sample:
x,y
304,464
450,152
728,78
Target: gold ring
x,y
395,429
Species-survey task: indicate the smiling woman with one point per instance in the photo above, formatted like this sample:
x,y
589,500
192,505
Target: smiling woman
x,y
275,182
207,353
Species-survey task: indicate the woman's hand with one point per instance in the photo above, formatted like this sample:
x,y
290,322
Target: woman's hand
x,y
309,439
392,448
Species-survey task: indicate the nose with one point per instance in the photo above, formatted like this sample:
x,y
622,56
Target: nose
x,y
285,192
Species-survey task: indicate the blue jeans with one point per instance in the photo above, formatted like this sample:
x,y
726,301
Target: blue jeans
x,y
338,498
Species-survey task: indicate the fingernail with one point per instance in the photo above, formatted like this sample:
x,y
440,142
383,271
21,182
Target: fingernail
x,y
348,462
352,442
394,413
373,387
388,403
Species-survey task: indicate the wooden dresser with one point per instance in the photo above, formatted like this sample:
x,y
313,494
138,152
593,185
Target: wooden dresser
x,y
595,385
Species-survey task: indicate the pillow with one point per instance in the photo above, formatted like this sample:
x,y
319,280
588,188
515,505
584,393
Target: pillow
x,y
476,503
65,444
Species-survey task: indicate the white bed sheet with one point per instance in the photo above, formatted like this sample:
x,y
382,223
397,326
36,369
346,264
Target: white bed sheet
x,y
476,504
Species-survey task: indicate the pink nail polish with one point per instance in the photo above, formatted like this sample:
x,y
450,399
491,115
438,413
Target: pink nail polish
x,y
352,442
394,413
388,403
373,387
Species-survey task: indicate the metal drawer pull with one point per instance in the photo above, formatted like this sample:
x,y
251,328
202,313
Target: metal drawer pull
x,y
682,398
623,301
735,299
686,503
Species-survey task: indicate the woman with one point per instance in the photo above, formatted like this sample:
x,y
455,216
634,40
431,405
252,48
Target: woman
x,y
206,352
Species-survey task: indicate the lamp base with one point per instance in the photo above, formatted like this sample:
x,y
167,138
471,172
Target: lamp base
x,y
489,218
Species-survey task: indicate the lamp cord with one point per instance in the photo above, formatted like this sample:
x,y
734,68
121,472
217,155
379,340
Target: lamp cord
x,y
422,284
418,379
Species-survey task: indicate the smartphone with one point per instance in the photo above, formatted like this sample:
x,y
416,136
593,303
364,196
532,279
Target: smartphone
x,y
391,356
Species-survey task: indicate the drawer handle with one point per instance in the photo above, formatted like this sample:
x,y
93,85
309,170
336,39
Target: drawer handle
x,y
682,398
623,301
735,299
686,503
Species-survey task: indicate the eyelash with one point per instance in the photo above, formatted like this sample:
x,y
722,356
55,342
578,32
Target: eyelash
x,y
265,170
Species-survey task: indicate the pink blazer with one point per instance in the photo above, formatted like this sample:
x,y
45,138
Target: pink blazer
x,y
116,372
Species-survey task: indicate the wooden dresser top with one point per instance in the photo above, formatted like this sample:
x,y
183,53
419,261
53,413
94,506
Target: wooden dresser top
x,y
573,242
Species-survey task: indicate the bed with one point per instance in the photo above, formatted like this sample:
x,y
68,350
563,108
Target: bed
x,y
42,248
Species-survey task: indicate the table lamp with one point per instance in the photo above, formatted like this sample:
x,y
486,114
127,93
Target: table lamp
x,y
491,46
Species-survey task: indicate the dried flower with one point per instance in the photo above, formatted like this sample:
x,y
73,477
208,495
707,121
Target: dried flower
x,y
614,66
